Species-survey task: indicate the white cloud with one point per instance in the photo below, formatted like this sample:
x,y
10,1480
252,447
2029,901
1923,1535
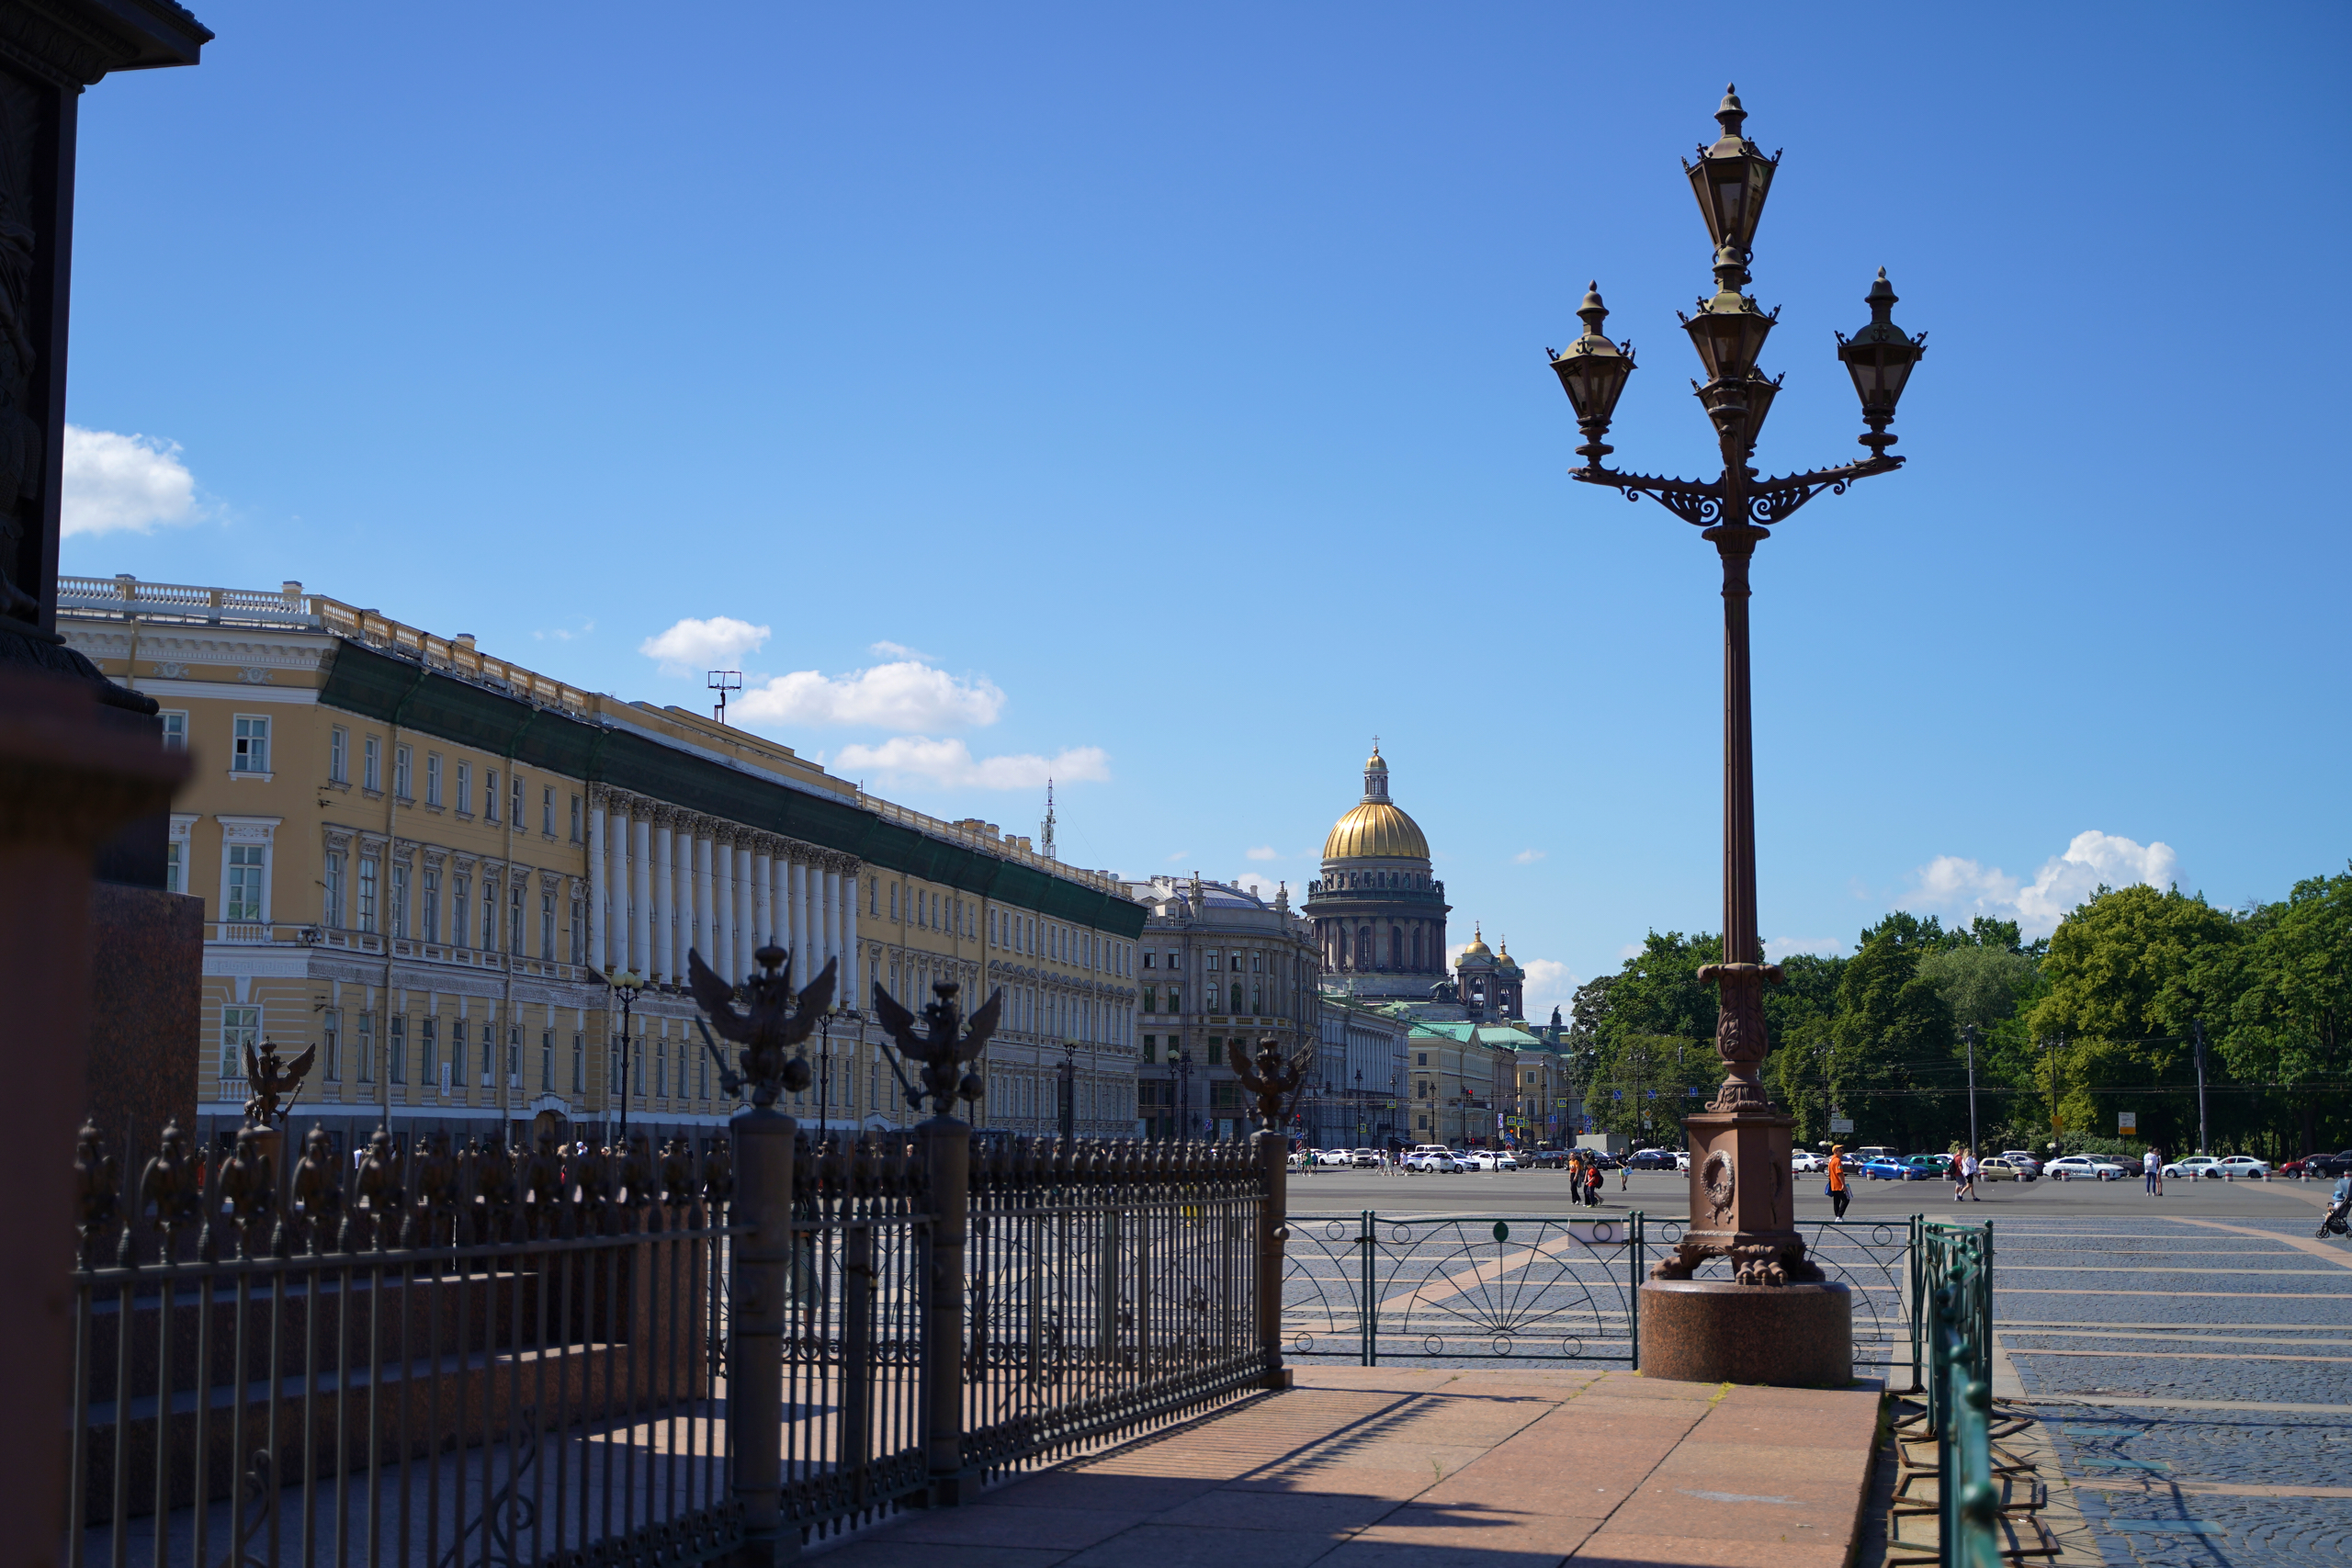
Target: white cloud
x,y
951,765
124,483
1528,857
1966,887
902,695
1265,852
1779,947
566,634
692,646
1180,857
1550,984
1632,950
898,650
1262,885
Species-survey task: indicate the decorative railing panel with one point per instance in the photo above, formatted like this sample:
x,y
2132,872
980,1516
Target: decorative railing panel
x,y
1112,1286
852,1355
485,1356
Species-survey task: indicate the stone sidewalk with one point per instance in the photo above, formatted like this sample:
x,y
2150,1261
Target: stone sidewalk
x,y
1363,1466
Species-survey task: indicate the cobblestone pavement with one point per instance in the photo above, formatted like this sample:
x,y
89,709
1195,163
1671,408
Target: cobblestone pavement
x,y
2196,1376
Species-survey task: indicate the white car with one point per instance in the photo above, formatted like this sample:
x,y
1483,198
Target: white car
x,y
1476,1159
1805,1161
1334,1156
2241,1164
1682,1159
2075,1167
2191,1167
1428,1160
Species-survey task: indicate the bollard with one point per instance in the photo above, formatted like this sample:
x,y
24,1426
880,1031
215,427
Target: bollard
x,y
945,1146
1274,1161
759,1298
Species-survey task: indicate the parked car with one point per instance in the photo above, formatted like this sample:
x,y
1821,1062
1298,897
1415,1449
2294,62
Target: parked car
x,y
1364,1160
1652,1159
2001,1167
1435,1161
1484,1159
2190,1166
2076,1168
2024,1159
2337,1164
1804,1161
1939,1167
2243,1165
1545,1159
1894,1168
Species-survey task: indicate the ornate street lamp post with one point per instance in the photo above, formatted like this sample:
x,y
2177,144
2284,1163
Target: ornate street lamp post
x,y
1741,1205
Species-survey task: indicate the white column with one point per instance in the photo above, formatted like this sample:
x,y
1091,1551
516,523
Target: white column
x,y
668,962
747,938
763,904
640,882
780,898
829,919
598,957
804,949
852,993
682,890
703,931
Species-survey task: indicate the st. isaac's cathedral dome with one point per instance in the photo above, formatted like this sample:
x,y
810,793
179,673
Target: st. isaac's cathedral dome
x,y
1379,915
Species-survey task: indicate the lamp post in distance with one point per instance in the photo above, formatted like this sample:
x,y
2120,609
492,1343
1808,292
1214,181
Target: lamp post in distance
x,y
627,984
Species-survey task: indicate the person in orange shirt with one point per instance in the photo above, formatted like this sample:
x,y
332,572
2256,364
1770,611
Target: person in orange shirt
x,y
1837,1196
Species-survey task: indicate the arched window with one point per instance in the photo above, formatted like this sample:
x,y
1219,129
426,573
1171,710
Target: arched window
x,y
1367,956
1344,947
1237,996
1396,947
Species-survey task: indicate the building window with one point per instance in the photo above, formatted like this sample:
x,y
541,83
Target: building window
x,y
428,1068
464,789
368,1046
332,1048
240,1032
458,1053
401,771
1174,1003
1209,960
547,815
579,932
430,927
338,755
399,900
1423,1061
249,748
175,730
458,890
175,867
332,896
518,818
894,900
546,1059
514,920
1237,996
367,893
241,895
547,925
575,818
433,778
873,897
490,795
371,764
489,916
1147,964
1150,1002
578,1064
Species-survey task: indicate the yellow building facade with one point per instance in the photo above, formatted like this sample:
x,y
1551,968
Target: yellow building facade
x,y
425,862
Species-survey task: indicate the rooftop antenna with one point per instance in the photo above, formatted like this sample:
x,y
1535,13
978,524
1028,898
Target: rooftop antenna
x,y
1046,829
723,682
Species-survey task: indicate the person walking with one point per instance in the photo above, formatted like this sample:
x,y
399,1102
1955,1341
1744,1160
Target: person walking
x,y
1592,1185
2152,1172
1838,1194
1968,1169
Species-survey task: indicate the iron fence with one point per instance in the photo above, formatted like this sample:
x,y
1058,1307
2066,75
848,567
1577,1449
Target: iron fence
x,y
1955,1271
487,1356
1365,1286
1114,1285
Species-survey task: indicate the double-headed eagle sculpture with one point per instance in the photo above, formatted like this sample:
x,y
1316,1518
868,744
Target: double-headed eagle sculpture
x,y
778,1020
1268,1079
268,1080
946,1053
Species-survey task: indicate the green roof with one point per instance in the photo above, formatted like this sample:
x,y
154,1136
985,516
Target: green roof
x,y
415,697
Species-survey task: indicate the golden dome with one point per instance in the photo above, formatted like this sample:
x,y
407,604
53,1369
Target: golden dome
x,y
1477,948
1375,830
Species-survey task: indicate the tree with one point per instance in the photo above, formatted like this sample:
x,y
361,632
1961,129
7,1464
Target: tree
x,y
2292,976
2129,974
1799,1014
1890,1047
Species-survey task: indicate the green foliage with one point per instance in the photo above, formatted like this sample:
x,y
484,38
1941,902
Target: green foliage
x,y
2292,976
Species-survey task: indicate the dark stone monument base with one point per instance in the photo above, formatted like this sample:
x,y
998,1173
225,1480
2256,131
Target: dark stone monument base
x,y
146,1011
1780,1335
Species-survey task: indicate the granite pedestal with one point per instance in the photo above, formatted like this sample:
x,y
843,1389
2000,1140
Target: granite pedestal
x,y
1796,1336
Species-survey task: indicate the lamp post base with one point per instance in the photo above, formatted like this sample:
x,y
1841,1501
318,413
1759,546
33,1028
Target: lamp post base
x,y
1778,1336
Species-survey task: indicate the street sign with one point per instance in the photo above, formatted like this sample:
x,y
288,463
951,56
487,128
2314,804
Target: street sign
x,y
1842,1124
2127,1121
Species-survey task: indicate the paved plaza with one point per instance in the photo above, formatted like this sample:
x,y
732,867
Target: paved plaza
x,y
1427,1466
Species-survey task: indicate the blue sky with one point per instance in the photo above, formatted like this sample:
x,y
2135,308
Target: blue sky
x,y
1157,394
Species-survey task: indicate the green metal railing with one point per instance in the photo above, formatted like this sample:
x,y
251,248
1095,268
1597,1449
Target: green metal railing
x,y
1953,1267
